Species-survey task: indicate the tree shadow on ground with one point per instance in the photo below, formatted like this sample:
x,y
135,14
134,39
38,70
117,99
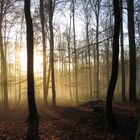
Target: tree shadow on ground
x,y
32,131
83,122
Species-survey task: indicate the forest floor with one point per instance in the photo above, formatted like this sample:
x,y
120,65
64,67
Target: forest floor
x,y
68,123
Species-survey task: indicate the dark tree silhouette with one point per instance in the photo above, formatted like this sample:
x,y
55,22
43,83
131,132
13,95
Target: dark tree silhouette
x,y
33,115
122,53
51,11
42,17
3,58
110,119
32,131
132,51
69,57
75,53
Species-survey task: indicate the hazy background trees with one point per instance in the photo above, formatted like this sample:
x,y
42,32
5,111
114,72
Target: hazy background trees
x,y
72,51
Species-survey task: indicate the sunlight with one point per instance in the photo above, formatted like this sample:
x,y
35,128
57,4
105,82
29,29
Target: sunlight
x,y
37,61
23,60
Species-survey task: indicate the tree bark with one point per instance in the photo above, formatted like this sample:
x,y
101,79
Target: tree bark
x,y
97,13
89,59
75,54
97,49
48,81
51,10
19,74
33,115
69,43
122,54
111,121
132,51
3,61
44,50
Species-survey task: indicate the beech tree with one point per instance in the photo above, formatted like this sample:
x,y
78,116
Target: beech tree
x,y
75,53
33,115
42,17
132,51
51,12
110,119
122,53
3,58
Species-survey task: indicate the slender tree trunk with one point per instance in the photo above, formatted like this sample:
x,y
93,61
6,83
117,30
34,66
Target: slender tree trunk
x,y
122,54
69,40
44,50
75,53
19,74
107,57
89,59
132,51
107,62
15,70
97,45
111,122
86,74
5,68
94,70
3,60
5,83
52,52
48,81
1,81
109,41
33,115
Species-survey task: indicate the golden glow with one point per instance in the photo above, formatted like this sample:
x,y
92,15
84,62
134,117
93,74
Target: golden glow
x,y
37,61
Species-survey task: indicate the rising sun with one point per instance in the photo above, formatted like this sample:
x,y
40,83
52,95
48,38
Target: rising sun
x,y
37,61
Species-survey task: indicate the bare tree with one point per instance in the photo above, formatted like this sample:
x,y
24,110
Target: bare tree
x,y
3,56
122,53
96,6
33,115
44,50
19,74
51,12
111,121
69,51
75,53
87,16
132,51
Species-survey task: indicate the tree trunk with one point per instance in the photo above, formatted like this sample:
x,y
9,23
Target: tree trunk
x,y
122,54
132,51
15,76
47,86
19,74
69,40
52,52
75,54
111,122
3,61
44,50
33,115
89,59
97,45
107,56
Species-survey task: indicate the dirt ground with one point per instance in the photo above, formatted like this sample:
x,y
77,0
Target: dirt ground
x,y
68,123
